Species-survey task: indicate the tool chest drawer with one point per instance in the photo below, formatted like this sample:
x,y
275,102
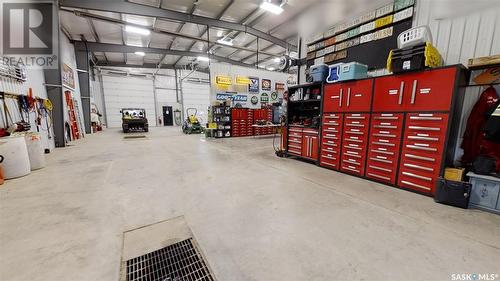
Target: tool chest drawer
x,y
331,139
354,143
422,152
384,146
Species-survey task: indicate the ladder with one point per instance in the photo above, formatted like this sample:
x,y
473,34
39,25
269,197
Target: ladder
x,y
75,133
77,113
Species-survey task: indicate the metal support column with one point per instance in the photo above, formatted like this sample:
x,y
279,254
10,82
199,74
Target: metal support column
x,y
83,68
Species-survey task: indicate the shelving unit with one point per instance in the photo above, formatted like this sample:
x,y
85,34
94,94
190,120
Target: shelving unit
x,y
222,117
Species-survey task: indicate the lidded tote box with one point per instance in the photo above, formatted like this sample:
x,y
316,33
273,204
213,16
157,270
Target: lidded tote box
x,y
318,73
453,193
333,73
352,71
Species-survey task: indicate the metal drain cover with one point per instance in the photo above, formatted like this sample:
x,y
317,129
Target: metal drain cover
x,y
177,262
129,137
163,251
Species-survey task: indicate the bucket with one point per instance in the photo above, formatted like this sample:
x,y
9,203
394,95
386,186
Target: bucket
x,y
35,150
16,161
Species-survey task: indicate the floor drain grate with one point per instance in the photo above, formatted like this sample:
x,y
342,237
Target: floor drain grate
x,y
178,262
134,137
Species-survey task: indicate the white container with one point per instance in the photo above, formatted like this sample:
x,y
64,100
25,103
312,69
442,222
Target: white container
x,y
414,36
16,161
35,150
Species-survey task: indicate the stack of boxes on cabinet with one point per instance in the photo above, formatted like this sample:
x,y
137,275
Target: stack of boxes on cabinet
x,y
244,118
400,129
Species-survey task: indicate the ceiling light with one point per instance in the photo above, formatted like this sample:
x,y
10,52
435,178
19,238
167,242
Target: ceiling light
x,y
271,68
219,33
270,7
138,30
200,58
142,54
277,59
225,42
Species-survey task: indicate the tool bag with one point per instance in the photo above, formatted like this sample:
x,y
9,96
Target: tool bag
x,y
453,193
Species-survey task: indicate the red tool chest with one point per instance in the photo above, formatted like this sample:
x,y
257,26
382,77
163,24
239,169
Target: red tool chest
x,y
345,126
295,140
241,121
262,114
310,143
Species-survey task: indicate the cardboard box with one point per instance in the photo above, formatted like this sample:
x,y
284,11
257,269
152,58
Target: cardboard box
x,y
454,174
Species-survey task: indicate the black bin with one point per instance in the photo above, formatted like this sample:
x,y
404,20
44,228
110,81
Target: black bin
x,y
453,193
408,59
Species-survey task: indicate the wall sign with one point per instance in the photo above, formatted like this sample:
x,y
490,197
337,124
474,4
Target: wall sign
x,y
240,98
264,97
254,100
240,80
68,76
279,86
223,80
253,86
274,96
223,96
266,85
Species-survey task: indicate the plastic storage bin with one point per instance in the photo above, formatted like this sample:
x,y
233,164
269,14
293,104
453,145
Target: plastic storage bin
x,y
333,73
413,58
453,193
352,70
414,36
485,192
318,73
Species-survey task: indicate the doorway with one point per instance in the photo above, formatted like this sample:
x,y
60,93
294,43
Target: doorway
x,y
168,116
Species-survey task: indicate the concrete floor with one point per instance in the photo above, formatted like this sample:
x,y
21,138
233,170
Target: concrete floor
x,y
256,216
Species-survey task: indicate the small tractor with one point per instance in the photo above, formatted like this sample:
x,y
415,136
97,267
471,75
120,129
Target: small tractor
x,y
192,125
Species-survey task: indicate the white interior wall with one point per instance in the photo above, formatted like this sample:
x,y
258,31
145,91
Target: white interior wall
x,y
35,81
125,91
233,71
97,95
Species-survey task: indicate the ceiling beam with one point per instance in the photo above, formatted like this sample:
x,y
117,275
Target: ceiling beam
x,y
202,34
105,66
117,48
263,51
120,6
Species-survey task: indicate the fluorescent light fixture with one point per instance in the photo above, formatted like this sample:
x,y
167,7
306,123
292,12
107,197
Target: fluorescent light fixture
x,y
270,7
142,54
276,59
225,42
271,68
138,30
200,58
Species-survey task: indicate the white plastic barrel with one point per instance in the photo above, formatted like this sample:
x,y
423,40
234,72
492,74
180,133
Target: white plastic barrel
x,y
35,150
16,161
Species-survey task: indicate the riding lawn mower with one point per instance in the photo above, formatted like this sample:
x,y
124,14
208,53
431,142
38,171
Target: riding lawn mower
x,y
192,125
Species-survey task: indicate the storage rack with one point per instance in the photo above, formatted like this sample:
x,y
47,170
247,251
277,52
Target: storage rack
x,y
400,130
222,117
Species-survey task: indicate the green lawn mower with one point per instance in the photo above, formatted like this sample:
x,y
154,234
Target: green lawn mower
x,y
192,125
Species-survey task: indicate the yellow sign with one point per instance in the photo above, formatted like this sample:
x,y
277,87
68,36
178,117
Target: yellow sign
x,y
383,21
242,80
223,80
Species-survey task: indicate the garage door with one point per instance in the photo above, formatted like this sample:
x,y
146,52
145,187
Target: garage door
x,y
123,92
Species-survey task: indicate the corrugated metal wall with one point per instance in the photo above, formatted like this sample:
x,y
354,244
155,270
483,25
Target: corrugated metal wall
x,y
474,33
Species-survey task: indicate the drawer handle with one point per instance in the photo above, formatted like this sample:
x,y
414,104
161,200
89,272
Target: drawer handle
x,y
422,138
382,152
413,92
350,169
379,176
381,160
352,155
383,143
352,162
380,169
386,118
328,164
354,140
354,133
354,147
384,135
355,117
420,157
424,128
412,175
418,167
329,157
294,146
401,89
426,118
421,148
415,185
355,125
385,127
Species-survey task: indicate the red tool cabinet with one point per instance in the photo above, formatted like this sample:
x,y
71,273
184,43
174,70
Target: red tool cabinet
x,y
310,143
262,114
345,126
400,130
414,153
241,121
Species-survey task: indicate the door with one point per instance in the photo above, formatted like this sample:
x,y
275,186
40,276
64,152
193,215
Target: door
x,y
389,93
168,116
333,98
357,95
430,90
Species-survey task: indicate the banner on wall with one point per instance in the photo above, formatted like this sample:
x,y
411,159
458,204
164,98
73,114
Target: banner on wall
x,y
68,76
241,80
253,86
223,80
266,85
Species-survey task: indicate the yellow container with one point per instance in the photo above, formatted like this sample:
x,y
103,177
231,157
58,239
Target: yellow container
x,y
454,174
